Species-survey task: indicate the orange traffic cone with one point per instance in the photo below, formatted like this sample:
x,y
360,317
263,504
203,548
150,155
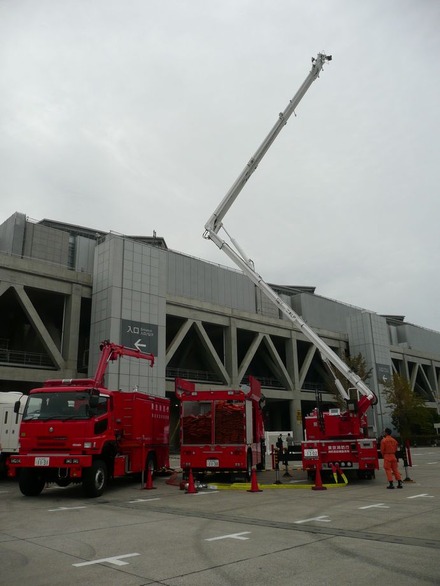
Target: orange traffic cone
x,y
149,483
318,481
254,482
191,486
172,480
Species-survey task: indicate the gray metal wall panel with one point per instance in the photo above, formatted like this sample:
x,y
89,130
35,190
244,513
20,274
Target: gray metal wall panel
x,y
46,244
323,313
84,254
12,234
197,279
418,338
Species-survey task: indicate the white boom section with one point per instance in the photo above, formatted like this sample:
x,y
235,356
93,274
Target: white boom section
x,y
214,224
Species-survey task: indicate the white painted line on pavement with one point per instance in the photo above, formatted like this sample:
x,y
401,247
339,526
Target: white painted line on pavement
x,y
116,560
378,506
144,500
65,509
416,496
322,519
231,536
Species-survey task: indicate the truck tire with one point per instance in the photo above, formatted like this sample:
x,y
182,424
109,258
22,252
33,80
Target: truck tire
x,y
95,479
63,482
31,481
311,475
262,464
3,469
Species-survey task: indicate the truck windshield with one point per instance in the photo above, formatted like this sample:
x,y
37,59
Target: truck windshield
x,y
56,405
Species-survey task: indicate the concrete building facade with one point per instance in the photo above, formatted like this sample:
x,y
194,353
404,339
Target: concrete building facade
x,y
65,288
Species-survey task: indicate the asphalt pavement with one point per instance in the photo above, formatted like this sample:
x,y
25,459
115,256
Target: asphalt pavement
x,y
358,533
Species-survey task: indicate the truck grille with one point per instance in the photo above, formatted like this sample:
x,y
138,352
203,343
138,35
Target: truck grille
x,y
51,443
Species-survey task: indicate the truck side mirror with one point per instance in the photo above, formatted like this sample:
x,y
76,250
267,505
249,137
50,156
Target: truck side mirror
x,y
17,407
94,399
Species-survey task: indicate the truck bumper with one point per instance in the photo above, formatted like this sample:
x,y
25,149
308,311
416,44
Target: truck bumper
x,y
73,464
355,455
227,459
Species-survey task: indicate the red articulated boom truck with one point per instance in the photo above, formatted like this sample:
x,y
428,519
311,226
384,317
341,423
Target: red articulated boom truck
x,y
221,430
337,438
78,431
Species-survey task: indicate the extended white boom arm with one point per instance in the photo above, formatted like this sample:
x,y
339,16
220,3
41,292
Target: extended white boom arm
x,y
214,224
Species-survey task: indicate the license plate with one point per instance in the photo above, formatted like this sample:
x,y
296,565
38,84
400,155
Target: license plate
x,y
310,453
211,463
41,461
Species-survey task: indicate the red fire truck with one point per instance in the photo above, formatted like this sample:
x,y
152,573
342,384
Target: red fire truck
x,y
338,438
78,431
221,430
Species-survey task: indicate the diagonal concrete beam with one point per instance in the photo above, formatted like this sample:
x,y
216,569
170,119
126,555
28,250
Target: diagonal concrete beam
x,y
414,376
178,338
306,365
4,287
427,381
249,355
39,326
286,380
212,353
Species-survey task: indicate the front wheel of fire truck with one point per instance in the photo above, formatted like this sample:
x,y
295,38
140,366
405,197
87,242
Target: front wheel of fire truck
x,y
31,481
95,479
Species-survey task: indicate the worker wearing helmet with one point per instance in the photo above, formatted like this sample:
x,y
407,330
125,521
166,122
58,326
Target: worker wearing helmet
x,y
389,447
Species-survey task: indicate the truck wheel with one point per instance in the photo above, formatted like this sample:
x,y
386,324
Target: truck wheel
x,y
63,482
31,482
95,479
262,464
311,475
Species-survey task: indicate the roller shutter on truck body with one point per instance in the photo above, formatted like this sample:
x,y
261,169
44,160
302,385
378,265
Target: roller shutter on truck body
x,y
10,421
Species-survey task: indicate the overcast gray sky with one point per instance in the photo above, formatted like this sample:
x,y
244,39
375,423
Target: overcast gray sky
x,y
138,115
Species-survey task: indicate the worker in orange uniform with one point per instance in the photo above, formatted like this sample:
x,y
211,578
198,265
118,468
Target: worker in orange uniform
x,y
389,447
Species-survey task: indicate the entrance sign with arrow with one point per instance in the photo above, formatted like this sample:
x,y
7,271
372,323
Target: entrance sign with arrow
x,y
139,335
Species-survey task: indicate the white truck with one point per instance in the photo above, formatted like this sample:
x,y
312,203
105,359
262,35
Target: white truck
x,y
315,453
9,426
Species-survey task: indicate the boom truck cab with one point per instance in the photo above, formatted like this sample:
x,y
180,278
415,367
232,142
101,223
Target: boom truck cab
x,y
78,431
336,438
221,430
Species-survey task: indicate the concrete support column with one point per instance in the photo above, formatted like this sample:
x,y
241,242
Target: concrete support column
x,y
231,358
72,316
295,402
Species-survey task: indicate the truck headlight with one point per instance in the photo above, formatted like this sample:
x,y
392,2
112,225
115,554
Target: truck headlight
x,y
87,445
